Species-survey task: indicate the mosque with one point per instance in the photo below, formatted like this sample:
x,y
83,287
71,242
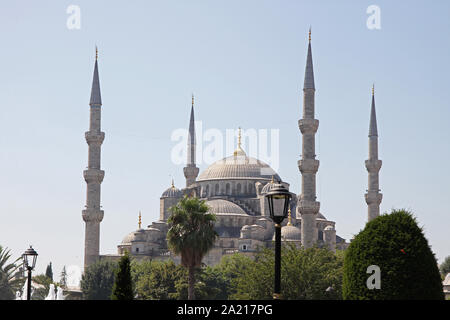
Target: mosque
x,y
234,188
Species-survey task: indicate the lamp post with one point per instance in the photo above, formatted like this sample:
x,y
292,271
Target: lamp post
x,y
278,198
29,262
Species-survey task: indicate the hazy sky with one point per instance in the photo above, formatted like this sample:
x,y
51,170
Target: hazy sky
x,y
245,61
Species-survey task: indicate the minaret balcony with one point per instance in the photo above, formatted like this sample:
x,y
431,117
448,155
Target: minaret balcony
x,y
93,175
191,171
373,197
373,165
92,215
94,137
308,125
308,165
308,207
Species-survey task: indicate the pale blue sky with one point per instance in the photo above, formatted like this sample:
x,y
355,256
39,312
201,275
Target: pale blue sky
x,y
244,60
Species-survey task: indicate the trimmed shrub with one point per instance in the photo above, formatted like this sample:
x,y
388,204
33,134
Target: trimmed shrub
x,y
396,244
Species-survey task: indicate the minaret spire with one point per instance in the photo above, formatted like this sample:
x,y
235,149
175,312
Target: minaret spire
x,y
373,132
191,170
96,98
93,176
308,165
373,164
309,71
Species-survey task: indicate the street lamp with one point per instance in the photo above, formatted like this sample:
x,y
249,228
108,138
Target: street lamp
x,y
278,198
29,262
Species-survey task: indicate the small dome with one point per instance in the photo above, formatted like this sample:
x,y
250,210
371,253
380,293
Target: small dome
x,y
224,207
128,238
133,236
291,233
172,192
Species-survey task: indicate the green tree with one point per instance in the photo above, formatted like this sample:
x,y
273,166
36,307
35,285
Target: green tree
x,y
233,268
157,280
215,284
191,234
98,280
123,287
10,281
49,271
396,244
444,268
210,285
63,278
305,274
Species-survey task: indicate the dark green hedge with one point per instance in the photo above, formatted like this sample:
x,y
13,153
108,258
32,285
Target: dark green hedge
x,y
396,244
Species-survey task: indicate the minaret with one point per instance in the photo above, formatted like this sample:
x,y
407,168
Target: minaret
x,y
191,170
308,165
373,165
93,214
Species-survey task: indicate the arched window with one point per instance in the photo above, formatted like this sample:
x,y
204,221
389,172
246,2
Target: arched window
x,y
207,190
238,189
216,190
227,189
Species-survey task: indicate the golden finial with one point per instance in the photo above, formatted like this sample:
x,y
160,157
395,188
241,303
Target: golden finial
x,y
139,220
373,89
310,34
96,53
239,138
272,180
239,150
192,100
289,217
173,185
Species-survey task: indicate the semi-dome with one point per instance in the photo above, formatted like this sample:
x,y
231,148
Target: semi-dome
x,y
172,192
238,166
225,207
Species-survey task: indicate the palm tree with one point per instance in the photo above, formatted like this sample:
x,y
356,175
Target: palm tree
x,y
9,281
191,234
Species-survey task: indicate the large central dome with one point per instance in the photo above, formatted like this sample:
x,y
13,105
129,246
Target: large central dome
x,y
238,166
